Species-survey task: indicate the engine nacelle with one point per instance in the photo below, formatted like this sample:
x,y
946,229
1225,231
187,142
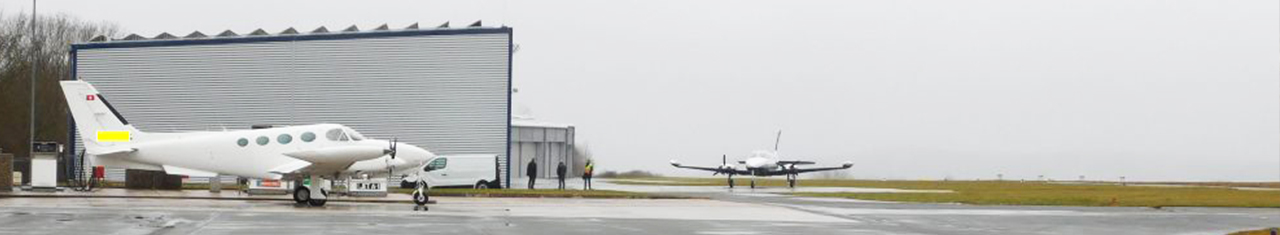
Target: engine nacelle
x,y
339,153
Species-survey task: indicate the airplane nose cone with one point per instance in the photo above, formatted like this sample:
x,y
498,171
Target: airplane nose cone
x,y
410,152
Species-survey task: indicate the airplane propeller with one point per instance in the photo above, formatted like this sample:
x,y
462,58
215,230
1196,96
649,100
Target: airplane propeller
x,y
724,160
393,148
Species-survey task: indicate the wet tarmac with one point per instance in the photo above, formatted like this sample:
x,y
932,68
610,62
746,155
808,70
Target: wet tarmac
x,y
737,211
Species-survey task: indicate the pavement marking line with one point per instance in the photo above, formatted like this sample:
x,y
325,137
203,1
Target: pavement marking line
x,y
204,223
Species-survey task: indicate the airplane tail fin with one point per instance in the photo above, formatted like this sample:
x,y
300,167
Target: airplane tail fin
x,y
100,125
777,141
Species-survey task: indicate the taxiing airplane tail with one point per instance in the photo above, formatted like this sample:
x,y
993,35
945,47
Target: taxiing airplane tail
x,y
101,127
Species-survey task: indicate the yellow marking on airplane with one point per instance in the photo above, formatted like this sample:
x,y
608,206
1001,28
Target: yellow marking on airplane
x,y
113,136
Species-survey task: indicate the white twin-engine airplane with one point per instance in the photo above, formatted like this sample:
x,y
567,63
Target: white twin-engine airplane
x,y
763,163
316,151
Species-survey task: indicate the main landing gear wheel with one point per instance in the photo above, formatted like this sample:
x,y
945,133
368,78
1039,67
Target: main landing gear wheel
x,y
301,195
730,182
420,195
791,183
318,202
753,183
482,185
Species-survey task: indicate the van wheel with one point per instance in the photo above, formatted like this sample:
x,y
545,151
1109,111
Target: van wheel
x,y
482,185
301,195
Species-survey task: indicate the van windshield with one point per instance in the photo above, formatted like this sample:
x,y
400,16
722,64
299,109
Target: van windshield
x,y
438,163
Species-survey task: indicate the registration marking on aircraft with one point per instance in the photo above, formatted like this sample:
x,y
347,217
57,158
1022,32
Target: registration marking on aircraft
x,y
113,136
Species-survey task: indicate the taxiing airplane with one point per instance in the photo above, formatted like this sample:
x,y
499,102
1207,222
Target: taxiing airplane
x,y
317,152
763,163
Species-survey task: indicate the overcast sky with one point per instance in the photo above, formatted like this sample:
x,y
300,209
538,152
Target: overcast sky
x,y
1151,90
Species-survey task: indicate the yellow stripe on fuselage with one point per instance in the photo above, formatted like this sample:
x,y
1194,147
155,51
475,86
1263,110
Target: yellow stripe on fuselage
x,y
113,136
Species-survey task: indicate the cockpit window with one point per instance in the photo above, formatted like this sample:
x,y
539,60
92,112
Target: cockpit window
x,y
335,135
354,135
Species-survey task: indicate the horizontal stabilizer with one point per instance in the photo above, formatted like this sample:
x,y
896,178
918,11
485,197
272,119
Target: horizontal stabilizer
x,y
173,170
112,150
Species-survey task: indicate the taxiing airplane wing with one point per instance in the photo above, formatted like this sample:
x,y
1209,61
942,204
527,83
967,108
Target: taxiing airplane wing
x,y
720,170
781,163
846,165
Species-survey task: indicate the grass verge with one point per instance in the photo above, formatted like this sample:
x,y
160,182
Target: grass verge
x,y
1015,193
1265,231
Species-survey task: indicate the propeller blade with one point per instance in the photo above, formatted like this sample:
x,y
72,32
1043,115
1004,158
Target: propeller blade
x,y
394,141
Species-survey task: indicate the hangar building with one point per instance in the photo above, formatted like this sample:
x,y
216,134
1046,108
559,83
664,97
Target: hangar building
x,y
546,143
445,89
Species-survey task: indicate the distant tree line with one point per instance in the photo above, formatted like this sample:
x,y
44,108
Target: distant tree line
x,y
628,174
49,49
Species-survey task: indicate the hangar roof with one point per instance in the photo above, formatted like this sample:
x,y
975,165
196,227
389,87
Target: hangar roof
x,y
352,30
523,121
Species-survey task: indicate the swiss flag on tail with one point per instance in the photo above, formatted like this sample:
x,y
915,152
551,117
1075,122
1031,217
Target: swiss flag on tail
x,y
89,97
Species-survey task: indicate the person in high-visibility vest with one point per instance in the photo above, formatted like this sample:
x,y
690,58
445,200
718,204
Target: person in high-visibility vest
x,y
586,175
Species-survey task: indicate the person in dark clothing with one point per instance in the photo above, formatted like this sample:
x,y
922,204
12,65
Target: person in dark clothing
x,y
532,172
560,173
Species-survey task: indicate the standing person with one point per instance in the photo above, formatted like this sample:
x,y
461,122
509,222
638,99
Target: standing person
x,y
532,172
560,170
586,175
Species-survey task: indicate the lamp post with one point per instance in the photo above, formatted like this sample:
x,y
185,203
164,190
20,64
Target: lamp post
x,y
34,58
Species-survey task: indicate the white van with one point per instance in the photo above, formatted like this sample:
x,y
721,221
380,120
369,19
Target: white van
x,y
467,171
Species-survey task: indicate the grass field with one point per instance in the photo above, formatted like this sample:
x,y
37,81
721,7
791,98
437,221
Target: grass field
x,y
1265,231
1017,193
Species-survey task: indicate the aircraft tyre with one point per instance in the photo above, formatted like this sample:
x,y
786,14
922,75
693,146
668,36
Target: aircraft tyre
x,y
315,201
753,184
482,185
301,195
420,194
731,183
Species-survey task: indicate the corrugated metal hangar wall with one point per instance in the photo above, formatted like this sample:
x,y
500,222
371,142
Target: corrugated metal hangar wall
x,y
443,89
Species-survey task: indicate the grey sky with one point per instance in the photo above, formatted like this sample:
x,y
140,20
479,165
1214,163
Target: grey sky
x,y
1151,90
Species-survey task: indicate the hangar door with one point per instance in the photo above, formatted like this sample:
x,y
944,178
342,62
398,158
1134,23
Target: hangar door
x,y
443,89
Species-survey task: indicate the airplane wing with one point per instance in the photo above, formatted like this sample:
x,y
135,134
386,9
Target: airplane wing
x,y
290,167
174,170
795,163
846,165
712,169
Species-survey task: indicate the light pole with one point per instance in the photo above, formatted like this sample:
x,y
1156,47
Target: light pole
x,y
32,140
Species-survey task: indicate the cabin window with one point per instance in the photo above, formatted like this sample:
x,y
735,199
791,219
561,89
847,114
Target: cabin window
x,y
263,140
308,136
284,138
243,142
437,164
